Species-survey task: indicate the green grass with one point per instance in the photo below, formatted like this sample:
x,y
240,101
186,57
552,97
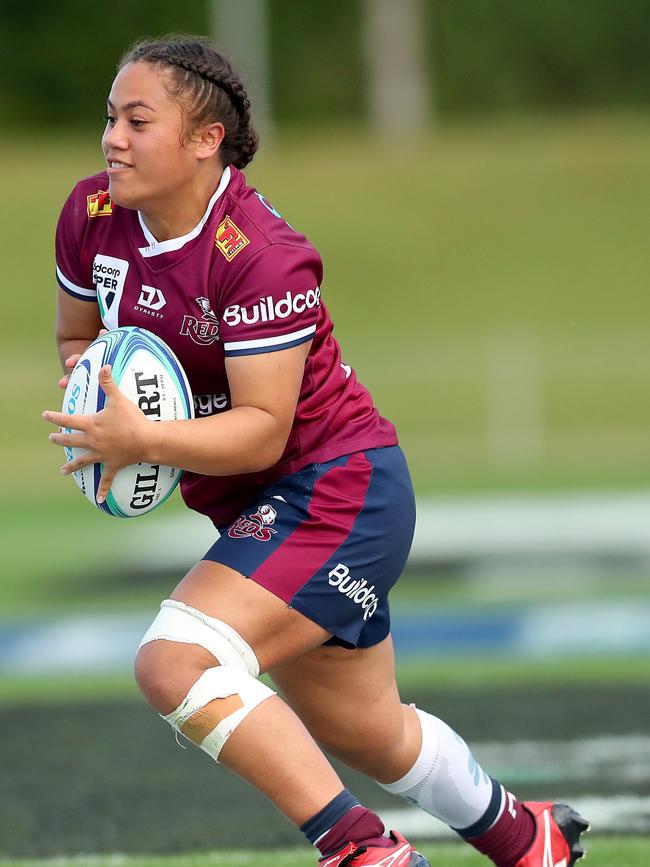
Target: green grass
x,y
603,852
489,284
460,672
519,248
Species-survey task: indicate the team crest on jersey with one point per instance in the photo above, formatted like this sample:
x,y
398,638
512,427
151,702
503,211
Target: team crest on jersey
x,y
99,204
255,526
205,330
230,239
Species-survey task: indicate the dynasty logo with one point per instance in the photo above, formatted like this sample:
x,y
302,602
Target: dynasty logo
x,y
205,330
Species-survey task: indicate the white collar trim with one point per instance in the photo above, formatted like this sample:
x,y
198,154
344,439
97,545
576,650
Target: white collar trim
x,y
155,248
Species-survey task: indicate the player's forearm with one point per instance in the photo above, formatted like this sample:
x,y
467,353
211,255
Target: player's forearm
x,y
68,347
243,440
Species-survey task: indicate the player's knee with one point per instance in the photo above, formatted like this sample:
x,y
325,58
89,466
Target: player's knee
x,y
199,673
165,671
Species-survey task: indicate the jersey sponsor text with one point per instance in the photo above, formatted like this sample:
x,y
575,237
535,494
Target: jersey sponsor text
x,y
151,300
267,309
109,276
209,404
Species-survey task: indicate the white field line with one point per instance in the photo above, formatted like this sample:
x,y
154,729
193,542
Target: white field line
x,y
621,760
452,527
620,814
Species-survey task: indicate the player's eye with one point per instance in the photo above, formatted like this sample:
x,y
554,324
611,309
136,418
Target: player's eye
x,y
136,122
109,119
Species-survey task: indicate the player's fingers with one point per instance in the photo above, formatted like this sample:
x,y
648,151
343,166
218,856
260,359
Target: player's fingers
x,y
107,382
105,483
63,382
72,440
78,463
76,422
71,360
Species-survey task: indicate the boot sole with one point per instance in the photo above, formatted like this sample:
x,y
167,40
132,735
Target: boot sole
x,y
572,825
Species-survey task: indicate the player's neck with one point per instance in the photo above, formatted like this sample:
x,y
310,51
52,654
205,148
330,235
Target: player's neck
x,y
181,214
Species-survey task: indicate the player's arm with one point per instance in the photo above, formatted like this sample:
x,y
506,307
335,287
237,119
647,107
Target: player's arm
x,y
252,435
77,325
248,438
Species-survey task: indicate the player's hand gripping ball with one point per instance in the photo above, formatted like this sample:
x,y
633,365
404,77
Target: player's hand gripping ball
x,y
148,373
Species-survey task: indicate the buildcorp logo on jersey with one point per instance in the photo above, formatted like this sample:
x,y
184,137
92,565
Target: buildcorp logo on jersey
x,y
268,309
355,589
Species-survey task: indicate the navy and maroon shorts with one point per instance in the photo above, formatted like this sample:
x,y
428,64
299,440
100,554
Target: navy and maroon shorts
x,y
330,540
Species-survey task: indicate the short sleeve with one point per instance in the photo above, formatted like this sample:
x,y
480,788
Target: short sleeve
x,y
274,303
69,234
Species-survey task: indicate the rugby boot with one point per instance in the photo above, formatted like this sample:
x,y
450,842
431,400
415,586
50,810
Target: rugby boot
x,y
557,836
401,854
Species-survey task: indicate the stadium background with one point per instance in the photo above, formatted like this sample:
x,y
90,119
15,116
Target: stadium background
x,y
488,276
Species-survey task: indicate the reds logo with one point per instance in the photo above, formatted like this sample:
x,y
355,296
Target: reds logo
x,y
258,525
205,330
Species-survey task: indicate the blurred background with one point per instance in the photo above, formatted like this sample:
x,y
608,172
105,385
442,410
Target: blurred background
x,y
476,177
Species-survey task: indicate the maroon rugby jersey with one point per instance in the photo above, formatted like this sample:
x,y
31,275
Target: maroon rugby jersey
x,y
241,282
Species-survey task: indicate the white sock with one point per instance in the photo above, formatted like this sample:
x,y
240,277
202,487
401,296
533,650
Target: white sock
x,y
445,780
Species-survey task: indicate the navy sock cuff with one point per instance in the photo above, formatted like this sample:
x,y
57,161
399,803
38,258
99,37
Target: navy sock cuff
x,y
328,816
488,818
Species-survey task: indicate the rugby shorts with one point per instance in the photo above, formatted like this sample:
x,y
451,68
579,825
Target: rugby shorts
x,y
330,540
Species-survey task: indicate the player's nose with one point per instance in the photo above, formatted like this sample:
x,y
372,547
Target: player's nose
x,y
115,138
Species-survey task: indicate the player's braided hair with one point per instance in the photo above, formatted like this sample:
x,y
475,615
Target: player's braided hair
x,y
209,88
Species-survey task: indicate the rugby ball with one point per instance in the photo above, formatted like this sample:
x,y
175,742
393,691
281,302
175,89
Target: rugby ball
x,y
149,374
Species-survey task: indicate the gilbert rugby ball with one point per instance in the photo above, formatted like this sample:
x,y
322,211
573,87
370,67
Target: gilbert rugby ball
x,y
149,374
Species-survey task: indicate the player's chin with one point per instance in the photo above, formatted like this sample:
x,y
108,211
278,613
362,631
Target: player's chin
x,y
124,193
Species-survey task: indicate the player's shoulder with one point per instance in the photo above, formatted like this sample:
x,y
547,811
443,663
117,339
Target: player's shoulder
x,y
90,199
252,228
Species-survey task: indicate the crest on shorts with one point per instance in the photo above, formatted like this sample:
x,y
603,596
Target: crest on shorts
x,y
256,526
99,204
230,239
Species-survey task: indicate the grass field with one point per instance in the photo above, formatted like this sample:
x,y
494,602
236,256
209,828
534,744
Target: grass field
x,y
489,284
611,852
108,776
463,272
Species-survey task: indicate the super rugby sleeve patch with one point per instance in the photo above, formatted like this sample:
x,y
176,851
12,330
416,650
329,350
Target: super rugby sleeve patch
x,y
275,304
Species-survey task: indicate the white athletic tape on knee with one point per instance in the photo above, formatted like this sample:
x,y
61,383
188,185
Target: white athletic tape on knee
x,y
220,682
179,622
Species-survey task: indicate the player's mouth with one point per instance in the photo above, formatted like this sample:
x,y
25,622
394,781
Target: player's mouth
x,y
117,166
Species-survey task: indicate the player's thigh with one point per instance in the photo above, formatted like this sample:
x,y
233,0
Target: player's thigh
x,y
349,700
275,632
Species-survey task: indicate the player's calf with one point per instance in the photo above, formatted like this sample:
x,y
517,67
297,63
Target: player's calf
x,y
448,783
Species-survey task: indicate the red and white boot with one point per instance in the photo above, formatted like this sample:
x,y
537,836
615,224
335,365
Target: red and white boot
x,y
557,835
401,854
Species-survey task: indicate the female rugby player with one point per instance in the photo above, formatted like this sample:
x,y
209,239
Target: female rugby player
x,y
289,458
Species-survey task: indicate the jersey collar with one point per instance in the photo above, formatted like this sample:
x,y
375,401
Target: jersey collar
x,y
155,248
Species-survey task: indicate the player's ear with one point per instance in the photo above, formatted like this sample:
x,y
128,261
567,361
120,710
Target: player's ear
x,y
208,140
